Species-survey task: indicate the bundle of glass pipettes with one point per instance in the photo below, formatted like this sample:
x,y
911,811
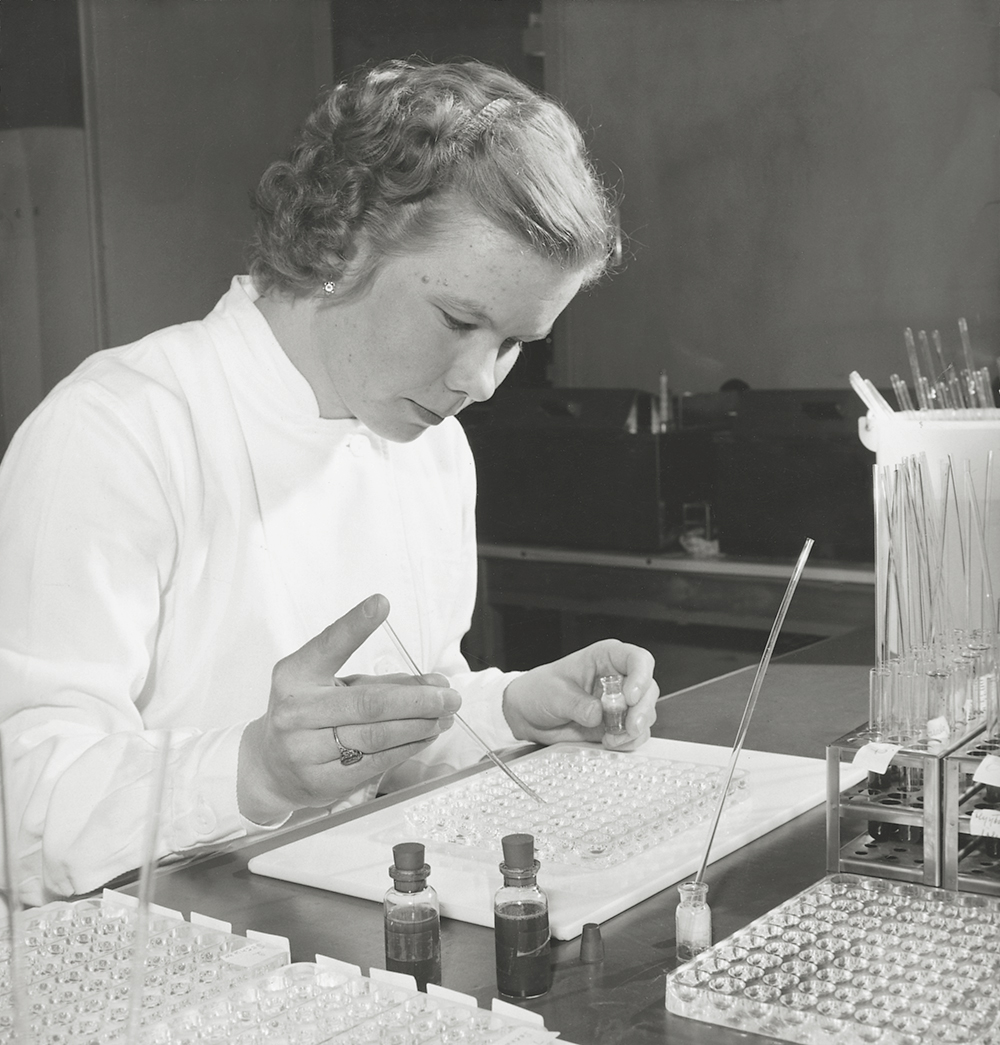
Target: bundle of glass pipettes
x,y
935,677
937,383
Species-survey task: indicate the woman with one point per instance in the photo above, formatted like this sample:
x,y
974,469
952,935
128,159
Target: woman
x,y
181,518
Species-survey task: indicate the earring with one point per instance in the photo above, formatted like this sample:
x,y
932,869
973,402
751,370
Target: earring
x,y
329,286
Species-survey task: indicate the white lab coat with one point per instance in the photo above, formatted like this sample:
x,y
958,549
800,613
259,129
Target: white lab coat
x,y
175,518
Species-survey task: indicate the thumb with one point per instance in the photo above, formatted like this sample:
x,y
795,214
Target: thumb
x,y
585,710
327,653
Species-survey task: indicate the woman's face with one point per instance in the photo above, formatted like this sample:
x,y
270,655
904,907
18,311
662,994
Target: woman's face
x,y
438,328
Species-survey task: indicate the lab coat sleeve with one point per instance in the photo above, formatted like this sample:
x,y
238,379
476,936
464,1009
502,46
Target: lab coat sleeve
x,y
88,539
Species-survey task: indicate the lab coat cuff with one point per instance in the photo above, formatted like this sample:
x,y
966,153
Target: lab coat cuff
x,y
206,810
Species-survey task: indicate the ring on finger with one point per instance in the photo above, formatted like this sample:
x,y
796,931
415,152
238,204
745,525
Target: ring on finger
x,y
349,756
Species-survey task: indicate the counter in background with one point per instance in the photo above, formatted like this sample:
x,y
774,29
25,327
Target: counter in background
x,y
667,588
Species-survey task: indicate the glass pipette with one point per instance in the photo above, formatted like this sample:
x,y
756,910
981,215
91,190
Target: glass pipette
x,y
137,982
758,681
490,753
9,896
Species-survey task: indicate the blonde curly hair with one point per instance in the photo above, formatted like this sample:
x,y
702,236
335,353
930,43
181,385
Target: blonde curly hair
x,y
388,155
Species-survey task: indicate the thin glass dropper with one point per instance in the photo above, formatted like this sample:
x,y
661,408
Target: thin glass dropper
x,y
154,815
490,753
752,699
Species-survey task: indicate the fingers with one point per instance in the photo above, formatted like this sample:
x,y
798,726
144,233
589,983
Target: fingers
x,y
559,701
638,721
402,679
318,765
323,656
320,707
281,772
633,663
289,758
636,666
375,738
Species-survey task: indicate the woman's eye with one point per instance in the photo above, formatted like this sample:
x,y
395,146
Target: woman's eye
x,y
457,324
461,326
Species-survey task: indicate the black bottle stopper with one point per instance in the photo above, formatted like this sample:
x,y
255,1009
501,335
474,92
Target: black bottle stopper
x,y
408,870
518,852
591,944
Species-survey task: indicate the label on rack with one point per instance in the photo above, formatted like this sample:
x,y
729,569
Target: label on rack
x,y
988,771
875,757
986,822
526,1036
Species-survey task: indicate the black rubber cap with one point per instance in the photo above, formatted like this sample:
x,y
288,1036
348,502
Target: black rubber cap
x,y
591,944
519,852
408,856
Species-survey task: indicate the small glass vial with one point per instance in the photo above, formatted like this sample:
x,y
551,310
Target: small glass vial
x,y
412,917
613,703
693,920
521,923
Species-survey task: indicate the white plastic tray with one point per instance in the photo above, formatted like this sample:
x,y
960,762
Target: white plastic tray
x,y
353,858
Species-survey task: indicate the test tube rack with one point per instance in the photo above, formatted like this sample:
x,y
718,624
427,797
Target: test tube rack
x,y
971,813
75,964
854,960
204,985
917,815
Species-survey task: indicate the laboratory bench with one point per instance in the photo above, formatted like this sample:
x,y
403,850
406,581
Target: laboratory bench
x,y
810,697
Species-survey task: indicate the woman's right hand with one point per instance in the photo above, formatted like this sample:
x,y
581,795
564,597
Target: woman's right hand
x,y
289,758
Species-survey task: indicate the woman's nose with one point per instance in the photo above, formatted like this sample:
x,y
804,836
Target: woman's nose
x,y
474,374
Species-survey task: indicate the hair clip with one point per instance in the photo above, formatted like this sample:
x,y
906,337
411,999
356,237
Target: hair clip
x,y
490,112
480,122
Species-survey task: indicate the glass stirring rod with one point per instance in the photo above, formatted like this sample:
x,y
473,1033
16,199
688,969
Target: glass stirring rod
x,y
490,753
751,704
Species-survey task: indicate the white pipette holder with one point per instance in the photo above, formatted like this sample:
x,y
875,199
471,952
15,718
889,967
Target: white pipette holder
x,y
943,438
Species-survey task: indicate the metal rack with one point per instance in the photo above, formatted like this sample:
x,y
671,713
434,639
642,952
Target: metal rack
x,y
970,862
901,810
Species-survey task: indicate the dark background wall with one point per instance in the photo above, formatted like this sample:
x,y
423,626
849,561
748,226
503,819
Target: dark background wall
x,y
439,30
40,74
133,132
800,179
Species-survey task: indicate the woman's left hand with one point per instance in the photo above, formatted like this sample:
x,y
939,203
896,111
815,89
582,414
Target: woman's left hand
x,y
561,701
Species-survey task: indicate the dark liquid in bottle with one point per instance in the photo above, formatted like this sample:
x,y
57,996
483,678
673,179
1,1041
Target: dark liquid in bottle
x,y
522,942
413,943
